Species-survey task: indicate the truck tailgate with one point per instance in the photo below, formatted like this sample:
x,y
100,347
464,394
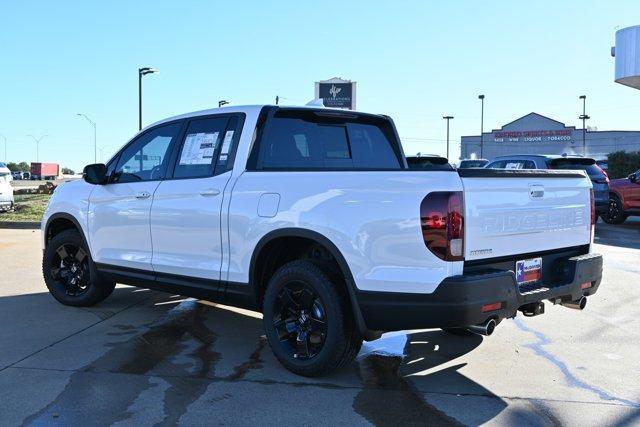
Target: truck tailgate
x,y
509,212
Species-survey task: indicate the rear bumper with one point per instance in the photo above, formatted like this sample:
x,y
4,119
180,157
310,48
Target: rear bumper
x,y
458,300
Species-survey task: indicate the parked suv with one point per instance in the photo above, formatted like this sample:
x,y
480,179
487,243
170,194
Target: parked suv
x,y
312,216
598,177
625,199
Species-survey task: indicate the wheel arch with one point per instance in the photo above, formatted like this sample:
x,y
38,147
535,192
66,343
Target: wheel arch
x,y
319,239
59,222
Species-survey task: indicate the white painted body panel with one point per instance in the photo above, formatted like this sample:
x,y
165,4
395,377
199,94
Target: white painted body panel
x,y
373,218
71,197
118,224
186,226
502,218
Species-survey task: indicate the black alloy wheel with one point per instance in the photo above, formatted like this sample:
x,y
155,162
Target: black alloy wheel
x,y
70,268
615,213
308,319
70,274
300,320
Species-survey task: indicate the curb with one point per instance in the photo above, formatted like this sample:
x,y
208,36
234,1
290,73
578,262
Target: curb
x,y
20,225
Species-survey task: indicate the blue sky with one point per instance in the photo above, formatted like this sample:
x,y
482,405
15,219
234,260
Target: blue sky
x,y
412,60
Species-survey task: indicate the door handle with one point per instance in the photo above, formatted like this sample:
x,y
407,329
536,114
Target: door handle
x,y
210,192
143,195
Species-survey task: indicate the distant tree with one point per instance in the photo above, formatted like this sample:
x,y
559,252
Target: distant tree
x,y
67,171
13,167
24,167
622,163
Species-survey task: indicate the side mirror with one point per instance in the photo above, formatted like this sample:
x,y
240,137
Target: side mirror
x,y
633,177
95,174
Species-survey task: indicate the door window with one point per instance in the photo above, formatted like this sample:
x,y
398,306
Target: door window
x,y
205,147
146,158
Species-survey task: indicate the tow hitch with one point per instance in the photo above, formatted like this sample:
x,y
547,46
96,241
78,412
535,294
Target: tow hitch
x,y
533,309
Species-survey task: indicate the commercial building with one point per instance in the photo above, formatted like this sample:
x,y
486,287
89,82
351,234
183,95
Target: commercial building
x,y
537,134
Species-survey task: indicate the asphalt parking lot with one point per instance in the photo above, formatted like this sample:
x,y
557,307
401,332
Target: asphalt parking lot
x,y
147,358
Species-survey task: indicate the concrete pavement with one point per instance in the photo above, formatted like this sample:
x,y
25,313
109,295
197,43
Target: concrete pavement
x,y
145,358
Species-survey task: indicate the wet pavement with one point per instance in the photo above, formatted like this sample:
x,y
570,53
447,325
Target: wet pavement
x,y
148,358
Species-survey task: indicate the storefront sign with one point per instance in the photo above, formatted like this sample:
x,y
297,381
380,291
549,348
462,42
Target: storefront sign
x,y
533,135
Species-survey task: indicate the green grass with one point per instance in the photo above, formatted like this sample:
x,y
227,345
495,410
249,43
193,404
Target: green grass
x,y
28,207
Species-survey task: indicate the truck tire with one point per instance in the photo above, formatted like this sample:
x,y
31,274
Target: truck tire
x,y
70,274
308,321
615,214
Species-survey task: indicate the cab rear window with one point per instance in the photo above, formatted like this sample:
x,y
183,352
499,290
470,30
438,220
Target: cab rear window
x,y
317,140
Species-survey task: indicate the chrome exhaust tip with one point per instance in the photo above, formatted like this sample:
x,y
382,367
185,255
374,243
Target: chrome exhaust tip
x,y
485,328
578,304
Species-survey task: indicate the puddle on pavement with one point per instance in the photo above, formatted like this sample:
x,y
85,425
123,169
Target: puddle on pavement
x,y
178,348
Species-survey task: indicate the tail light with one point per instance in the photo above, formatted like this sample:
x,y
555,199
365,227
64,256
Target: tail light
x,y
604,172
442,224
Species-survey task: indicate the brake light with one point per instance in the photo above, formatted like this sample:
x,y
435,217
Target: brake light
x,y
594,217
604,172
442,224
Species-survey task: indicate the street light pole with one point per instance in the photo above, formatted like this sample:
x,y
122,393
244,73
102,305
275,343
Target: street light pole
x,y
584,118
447,118
95,137
6,160
37,140
481,98
222,102
142,72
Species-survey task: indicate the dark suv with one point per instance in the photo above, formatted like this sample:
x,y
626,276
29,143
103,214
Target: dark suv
x,y
598,177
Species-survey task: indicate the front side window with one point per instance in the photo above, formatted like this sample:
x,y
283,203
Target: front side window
x,y
299,140
147,157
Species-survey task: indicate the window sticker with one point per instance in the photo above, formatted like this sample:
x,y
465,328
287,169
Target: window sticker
x,y
226,144
199,148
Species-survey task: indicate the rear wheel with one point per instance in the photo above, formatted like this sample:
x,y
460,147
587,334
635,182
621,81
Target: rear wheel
x,y
308,321
615,214
70,274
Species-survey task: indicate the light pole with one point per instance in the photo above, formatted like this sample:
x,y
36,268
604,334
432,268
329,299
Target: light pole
x,y
584,118
142,72
222,102
95,137
481,98
447,118
5,148
37,140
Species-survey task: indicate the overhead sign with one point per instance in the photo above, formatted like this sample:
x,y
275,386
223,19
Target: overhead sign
x,y
337,93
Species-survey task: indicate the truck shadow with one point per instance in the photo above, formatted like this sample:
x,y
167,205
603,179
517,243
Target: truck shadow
x,y
395,385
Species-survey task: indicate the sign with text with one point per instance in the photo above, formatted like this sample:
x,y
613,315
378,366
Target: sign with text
x,y
337,93
533,135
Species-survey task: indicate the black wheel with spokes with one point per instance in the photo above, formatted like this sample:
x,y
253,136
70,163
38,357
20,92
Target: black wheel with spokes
x,y
307,320
300,320
615,213
70,274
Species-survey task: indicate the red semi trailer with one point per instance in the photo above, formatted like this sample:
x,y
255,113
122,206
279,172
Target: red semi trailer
x,y
45,170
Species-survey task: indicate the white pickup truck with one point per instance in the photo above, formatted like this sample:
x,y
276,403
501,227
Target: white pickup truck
x,y
312,216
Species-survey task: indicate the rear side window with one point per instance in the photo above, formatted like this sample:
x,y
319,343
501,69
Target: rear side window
x,y
307,140
587,165
512,164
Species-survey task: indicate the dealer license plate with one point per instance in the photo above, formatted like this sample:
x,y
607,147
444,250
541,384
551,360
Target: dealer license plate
x,y
528,270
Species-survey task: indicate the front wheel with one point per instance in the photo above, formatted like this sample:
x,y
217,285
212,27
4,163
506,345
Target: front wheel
x,y
615,214
308,321
70,274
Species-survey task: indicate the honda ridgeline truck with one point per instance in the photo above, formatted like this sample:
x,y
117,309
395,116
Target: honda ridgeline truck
x,y
311,216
